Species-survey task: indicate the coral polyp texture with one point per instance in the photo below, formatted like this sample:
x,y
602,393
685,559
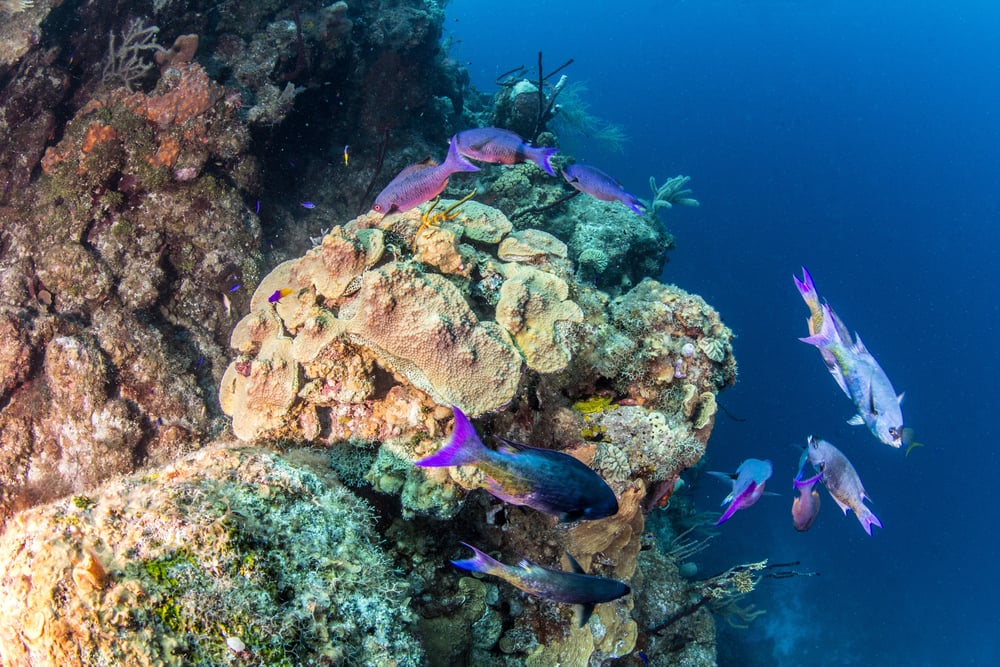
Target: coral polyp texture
x,y
228,556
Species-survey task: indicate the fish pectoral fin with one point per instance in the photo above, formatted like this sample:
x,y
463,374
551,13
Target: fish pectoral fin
x,y
856,420
582,612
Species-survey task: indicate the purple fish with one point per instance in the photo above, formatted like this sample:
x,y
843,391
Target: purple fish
x,y
596,183
548,481
420,182
497,146
748,486
308,204
841,480
576,587
805,507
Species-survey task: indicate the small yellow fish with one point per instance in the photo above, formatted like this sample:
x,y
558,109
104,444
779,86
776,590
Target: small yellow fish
x,y
347,154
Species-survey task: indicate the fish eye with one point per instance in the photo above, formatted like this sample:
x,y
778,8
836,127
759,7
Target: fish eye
x,y
377,208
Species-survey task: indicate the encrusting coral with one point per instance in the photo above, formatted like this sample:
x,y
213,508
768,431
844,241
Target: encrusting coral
x,y
228,554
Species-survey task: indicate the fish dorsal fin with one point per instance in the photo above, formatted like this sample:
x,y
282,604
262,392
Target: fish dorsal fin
x,y
513,446
859,347
426,163
574,566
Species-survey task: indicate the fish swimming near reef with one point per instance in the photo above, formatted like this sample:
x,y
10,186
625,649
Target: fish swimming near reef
x,y
497,146
805,506
866,383
546,480
598,184
420,182
748,486
841,480
576,587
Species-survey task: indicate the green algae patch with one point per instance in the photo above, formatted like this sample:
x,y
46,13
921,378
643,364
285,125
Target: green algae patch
x,y
229,554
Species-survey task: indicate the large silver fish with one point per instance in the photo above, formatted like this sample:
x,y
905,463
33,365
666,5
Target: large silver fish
x,y
863,379
841,480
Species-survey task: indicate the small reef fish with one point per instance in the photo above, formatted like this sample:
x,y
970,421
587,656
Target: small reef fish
x,y
576,587
866,383
347,155
420,182
841,480
498,146
805,507
598,184
309,205
279,294
546,480
748,486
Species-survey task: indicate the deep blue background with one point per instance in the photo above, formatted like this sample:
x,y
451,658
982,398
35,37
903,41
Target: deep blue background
x,y
861,139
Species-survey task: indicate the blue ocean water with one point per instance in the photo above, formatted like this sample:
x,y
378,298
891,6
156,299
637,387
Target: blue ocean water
x,y
862,140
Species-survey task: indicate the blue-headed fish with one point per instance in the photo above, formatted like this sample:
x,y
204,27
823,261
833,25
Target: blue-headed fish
x,y
864,381
805,507
420,182
841,480
546,480
576,587
498,146
748,486
598,184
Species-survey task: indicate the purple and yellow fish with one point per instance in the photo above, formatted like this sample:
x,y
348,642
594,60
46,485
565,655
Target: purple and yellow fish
x,y
498,146
805,507
420,182
841,481
546,480
598,184
748,486
576,587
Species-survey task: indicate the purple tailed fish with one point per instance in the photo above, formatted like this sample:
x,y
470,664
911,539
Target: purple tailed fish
x,y
576,587
420,182
497,146
805,507
546,480
596,183
807,289
748,486
866,383
841,480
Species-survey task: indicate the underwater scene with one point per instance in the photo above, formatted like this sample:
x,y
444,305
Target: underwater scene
x,y
396,333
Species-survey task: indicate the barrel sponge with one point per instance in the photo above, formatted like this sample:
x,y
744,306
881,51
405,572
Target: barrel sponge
x,y
420,325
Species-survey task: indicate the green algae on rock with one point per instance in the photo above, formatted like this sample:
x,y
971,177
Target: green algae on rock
x,y
229,553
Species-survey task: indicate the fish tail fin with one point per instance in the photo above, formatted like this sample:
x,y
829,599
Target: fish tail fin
x,y
868,519
827,336
455,161
480,562
634,204
462,448
541,155
736,504
808,290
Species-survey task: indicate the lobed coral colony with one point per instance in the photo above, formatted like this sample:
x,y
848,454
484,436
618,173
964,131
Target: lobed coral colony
x,y
142,527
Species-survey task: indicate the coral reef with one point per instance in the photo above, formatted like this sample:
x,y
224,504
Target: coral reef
x,y
134,225
229,554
